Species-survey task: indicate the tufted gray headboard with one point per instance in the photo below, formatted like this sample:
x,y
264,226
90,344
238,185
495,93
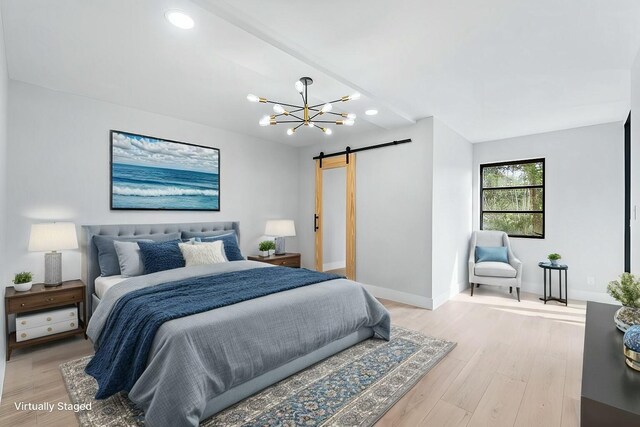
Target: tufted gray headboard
x,y
90,267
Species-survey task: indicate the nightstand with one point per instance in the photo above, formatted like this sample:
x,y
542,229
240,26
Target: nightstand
x,y
289,259
40,298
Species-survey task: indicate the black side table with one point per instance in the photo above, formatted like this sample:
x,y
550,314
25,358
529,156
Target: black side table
x,y
548,268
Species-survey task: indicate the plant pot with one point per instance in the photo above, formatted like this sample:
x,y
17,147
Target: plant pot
x,y
553,262
626,317
22,287
272,251
264,253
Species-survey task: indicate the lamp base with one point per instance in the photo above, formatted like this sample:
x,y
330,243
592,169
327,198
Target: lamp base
x,y
52,269
280,245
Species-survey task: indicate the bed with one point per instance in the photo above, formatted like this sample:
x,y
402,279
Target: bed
x,y
202,363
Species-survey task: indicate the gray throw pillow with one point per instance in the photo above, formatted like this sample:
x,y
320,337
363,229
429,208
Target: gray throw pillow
x,y
192,234
107,256
129,258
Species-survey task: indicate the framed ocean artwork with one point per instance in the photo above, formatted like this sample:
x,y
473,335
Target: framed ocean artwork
x,y
149,173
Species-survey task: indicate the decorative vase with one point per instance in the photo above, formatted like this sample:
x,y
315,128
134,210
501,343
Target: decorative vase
x,y
631,347
264,253
553,262
22,287
626,317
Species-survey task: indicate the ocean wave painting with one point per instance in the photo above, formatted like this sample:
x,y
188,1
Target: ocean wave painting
x,y
152,173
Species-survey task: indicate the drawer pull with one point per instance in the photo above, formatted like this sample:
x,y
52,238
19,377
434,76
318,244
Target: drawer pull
x,y
23,335
24,322
73,324
22,305
72,314
48,319
50,299
49,329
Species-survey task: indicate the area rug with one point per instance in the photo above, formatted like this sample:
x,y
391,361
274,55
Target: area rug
x,y
352,388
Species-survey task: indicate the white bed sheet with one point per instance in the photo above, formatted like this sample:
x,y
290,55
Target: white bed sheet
x,y
103,284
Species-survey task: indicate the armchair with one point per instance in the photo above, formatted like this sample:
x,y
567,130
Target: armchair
x,y
494,273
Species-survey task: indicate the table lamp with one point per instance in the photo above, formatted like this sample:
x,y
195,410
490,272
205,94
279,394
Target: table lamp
x,y
280,229
53,237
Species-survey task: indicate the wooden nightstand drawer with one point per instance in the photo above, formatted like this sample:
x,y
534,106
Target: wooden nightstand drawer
x,y
31,302
287,260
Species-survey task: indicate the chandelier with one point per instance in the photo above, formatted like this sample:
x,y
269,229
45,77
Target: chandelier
x,y
313,116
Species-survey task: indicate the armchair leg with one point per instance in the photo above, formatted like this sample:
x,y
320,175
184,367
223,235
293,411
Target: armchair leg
x,y
518,292
472,289
510,289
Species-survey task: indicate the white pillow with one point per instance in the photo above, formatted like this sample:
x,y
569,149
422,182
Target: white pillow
x,y
212,253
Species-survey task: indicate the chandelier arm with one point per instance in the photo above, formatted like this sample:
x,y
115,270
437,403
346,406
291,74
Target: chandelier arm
x,y
297,117
296,128
335,114
300,107
288,121
323,121
330,102
315,115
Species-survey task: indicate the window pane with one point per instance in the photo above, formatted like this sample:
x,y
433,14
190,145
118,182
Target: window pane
x,y
522,199
514,224
512,175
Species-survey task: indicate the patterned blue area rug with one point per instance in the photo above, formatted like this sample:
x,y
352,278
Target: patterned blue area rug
x,y
352,388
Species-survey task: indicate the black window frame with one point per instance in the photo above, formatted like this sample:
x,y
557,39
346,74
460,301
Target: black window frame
x,y
515,187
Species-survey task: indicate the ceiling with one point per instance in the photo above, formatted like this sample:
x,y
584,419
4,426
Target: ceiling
x,y
490,70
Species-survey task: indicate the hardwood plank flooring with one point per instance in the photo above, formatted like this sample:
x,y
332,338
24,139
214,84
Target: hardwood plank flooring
x,y
515,364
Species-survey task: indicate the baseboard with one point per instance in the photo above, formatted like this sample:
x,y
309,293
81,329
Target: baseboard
x,y
399,296
574,294
333,265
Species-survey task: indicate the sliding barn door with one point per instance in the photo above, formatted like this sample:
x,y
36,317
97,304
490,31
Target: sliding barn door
x,y
350,244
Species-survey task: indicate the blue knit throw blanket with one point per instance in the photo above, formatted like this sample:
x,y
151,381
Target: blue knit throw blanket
x,y
126,338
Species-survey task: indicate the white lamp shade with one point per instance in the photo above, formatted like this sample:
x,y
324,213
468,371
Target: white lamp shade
x,y
54,236
280,228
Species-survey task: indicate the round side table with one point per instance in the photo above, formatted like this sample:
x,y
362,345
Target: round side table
x,y
548,268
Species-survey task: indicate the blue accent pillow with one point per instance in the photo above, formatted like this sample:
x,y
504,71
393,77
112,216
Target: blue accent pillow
x,y
160,256
107,256
492,254
230,242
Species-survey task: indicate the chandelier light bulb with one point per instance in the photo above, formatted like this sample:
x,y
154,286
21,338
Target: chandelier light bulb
x,y
311,124
278,109
265,121
328,131
326,108
252,98
354,96
351,116
299,86
290,131
348,122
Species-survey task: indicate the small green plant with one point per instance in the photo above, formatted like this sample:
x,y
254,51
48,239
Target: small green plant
x,y
627,290
554,257
24,277
266,245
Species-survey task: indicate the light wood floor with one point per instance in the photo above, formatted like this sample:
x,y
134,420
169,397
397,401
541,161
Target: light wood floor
x,y
515,364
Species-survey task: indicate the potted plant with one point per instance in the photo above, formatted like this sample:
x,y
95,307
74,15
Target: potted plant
x,y
553,258
22,282
272,247
627,292
265,246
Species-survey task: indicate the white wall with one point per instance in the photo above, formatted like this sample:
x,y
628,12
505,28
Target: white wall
x,y
393,210
59,170
334,218
3,189
584,204
635,166
452,193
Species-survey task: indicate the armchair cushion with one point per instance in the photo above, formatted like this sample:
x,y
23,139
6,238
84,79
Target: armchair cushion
x,y
492,253
494,269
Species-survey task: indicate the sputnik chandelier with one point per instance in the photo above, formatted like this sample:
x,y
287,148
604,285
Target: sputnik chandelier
x,y
306,115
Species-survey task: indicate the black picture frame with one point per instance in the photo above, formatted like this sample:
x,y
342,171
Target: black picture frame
x,y
116,207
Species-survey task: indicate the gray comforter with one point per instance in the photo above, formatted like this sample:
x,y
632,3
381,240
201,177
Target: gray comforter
x,y
196,358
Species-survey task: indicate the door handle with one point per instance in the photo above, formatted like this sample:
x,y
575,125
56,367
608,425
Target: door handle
x,y
315,222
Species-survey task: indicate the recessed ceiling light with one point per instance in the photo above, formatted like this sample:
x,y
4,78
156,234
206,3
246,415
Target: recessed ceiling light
x,y
371,112
179,19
